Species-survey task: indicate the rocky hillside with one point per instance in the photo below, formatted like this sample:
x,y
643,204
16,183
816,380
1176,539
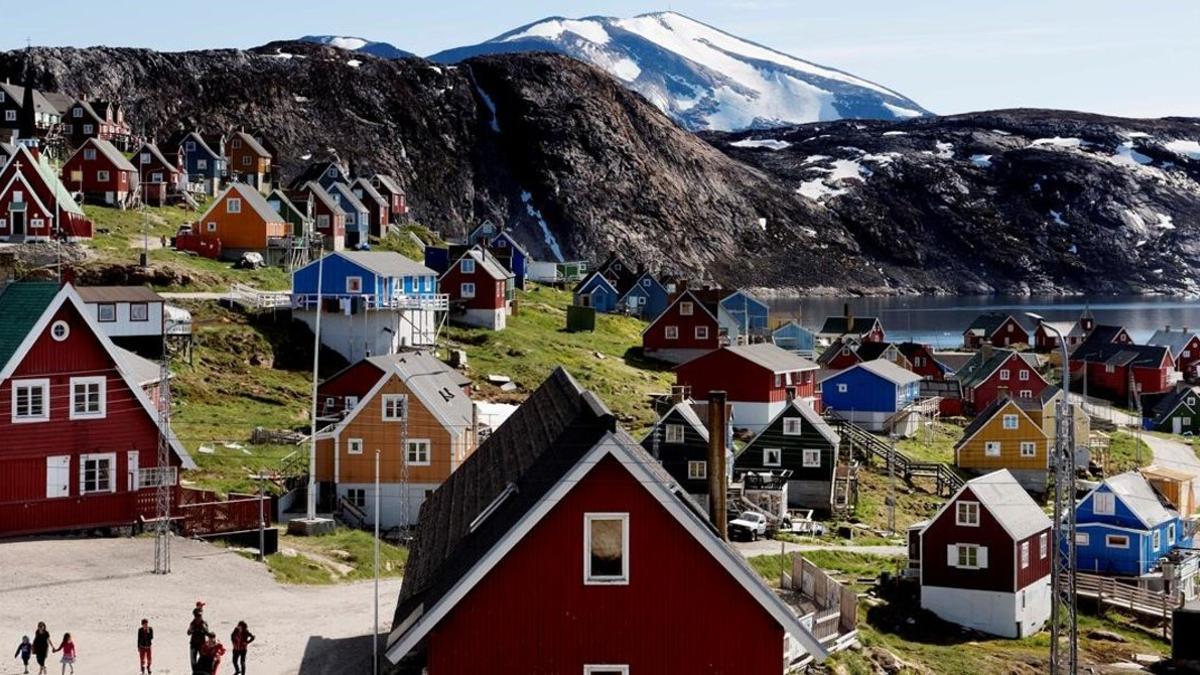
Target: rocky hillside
x,y
580,165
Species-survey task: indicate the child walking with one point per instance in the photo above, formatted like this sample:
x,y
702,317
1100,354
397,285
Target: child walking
x,y
67,647
145,641
239,640
24,651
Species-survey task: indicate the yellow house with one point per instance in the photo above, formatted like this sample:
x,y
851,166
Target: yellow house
x,y
422,423
1044,411
1005,436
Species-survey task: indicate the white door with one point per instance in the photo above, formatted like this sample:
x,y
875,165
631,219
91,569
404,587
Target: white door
x,y
134,478
58,476
1177,425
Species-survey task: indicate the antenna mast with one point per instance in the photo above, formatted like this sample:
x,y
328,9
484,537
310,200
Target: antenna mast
x,y
164,472
1064,624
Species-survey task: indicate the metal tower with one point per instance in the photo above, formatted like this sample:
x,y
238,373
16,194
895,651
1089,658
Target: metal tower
x,y
163,491
1064,625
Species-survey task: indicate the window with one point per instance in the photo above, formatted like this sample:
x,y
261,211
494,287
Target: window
x,y
139,311
1024,554
88,129
144,158
189,146
685,308
646,283
968,556
236,143
843,388
1028,449
778,380
792,426
1155,540
1116,541
1104,503
1004,374
606,670
354,284
332,172
1026,393
354,446
811,459
10,115
1082,539
466,290
1010,421
701,332
59,330
30,400
18,196
89,154
233,205
1109,368
674,433
77,112
697,470
1010,328
102,176
202,164
357,496
96,473
351,402
1023,375
606,548
395,407
991,448
671,332
106,311
212,227
156,177
36,223
246,160
87,397
418,452
772,457
468,266
1043,545
967,514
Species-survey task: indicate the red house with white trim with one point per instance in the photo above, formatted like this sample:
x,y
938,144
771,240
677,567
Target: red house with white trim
x,y
561,514
34,204
990,372
102,173
480,290
1119,372
998,330
686,329
759,380
80,433
1185,348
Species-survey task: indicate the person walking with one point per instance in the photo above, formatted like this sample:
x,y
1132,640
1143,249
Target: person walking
x,y
239,640
24,650
67,647
41,646
210,656
145,641
197,632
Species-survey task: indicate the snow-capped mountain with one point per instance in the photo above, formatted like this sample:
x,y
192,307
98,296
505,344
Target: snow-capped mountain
x,y
357,44
703,77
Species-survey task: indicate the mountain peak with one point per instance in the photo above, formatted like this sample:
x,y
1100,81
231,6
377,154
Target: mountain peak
x,y
351,43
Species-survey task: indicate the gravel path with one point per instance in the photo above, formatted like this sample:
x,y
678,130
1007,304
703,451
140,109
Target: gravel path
x,y
99,590
770,547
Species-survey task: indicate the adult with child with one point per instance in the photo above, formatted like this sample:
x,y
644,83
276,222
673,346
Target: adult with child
x,y
239,640
41,646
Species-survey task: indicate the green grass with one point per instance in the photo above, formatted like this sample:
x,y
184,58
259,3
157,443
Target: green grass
x,y
404,244
912,503
935,444
353,548
1126,452
607,361
846,563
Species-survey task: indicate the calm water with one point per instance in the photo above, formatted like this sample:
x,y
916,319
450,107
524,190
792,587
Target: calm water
x,y
941,320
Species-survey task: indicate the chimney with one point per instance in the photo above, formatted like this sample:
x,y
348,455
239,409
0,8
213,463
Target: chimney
x,y
849,316
677,393
681,285
1168,328
987,350
717,419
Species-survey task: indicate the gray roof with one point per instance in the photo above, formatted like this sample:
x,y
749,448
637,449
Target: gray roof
x,y
286,204
346,199
322,195
1009,504
815,420
774,359
386,263
434,383
369,190
887,370
40,103
198,138
141,370
252,142
688,413
157,154
253,199
488,263
1135,491
111,153
388,183
91,294
1174,340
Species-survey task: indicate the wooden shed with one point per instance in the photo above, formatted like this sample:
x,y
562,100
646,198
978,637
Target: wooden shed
x,y
1175,485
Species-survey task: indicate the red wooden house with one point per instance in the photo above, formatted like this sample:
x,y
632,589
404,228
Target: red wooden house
x,y
563,515
34,204
860,328
922,360
390,188
378,210
480,290
81,435
340,392
996,329
328,219
102,173
1119,372
984,559
104,120
760,380
686,329
991,372
158,176
1185,349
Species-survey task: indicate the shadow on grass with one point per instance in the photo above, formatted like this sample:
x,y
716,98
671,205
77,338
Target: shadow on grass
x,y
635,358
902,616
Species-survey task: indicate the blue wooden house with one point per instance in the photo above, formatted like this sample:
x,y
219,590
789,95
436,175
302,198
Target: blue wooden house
x,y
795,338
483,233
324,173
203,163
749,313
647,297
358,218
596,291
518,259
1124,527
870,394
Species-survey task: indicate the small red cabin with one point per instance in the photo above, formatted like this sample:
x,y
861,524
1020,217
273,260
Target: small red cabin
x,y
759,380
480,289
1120,372
991,372
686,329
101,173
998,330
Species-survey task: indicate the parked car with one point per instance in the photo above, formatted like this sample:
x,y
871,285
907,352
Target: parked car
x,y
750,525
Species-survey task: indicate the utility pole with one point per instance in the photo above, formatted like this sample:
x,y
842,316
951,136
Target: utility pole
x,y
262,524
163,491
375,635
311,512
892,482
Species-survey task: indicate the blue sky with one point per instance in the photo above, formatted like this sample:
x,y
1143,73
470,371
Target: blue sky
x,y
1124,57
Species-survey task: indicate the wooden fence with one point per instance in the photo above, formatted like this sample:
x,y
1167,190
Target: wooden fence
x,y
202,512
1115,592
837,605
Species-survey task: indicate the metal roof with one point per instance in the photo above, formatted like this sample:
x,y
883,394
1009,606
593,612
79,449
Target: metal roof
x,y
386,263
1009,504
1174,340
111,153
1139,497
117,294
885,369
774,359
21,305
253,143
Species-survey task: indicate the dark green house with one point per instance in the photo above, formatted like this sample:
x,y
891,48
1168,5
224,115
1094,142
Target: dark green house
x,y
679,441
799,441
1173,412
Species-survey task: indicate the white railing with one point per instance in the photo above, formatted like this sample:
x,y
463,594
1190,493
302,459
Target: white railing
x,y
439,302
152,477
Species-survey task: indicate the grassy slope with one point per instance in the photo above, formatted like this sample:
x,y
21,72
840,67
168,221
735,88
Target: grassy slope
x,y
932,444
354,548
1126,452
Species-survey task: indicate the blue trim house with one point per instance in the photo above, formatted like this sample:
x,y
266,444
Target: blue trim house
x,y
870,394
519,258
203,163
794,338
647,297
358,217
596,291
751,315
1123,527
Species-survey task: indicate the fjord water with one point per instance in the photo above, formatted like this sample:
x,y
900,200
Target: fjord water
x,y
941,320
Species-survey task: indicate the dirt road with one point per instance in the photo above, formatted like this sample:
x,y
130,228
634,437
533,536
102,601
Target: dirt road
x,y
771,547
99,589
1175,455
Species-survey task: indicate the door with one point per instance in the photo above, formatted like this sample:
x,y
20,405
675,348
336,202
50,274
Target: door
x,y
18,222
134,476
1176,425
58,476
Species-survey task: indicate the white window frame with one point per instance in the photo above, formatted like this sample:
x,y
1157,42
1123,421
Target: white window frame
x,y
1023,375
1043,545
387,410
597,669
1026,393
811,458
686,308
233,205
1083,539
992,448
1156,539
354,284
1028,449
468,266
101,382
89,154
42,383
767,456
59,330
1004,375
424,452
1171,534
466,290
701,332
112,472
212,226
843,388
697,470
793,426
354,446
77,112
156,177
674,433
671,332
590,579
202,165
144,158
959,549
1109,501
103,176
1108,540
1010,421
960,512
1024,554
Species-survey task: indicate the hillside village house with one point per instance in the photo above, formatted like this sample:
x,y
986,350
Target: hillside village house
x,y
34,204
689,327
759,379
1005,436
861,328
984,558
876,395
990,373
844,353
1184,345
560,482
923,361
596,291
12,102
296,214
101,120
371,302
1123,528
1121,372
158,176
646,298
341,392
390,189
795,338
81,434
378,216
328,218
996,329
324,173
480,290
680,441
102,173
417,417
248,161
748,313
1174,412
203,160
800,444
133,317
355,213
242,220
518,257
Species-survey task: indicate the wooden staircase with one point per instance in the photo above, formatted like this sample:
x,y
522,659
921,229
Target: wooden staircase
x,y
870,447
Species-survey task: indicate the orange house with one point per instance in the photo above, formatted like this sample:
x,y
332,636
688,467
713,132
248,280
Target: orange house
x,y
243,220
249,162
1007,436
420,421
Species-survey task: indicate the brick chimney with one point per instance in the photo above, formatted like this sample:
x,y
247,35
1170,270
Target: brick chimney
x,y
849,316
717,419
